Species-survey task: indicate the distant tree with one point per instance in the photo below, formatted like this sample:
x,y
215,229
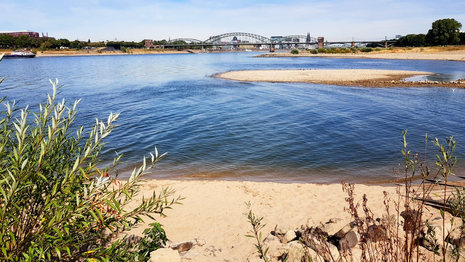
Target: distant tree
x,y
75,44
63,42
462,38
412,40
23,41
161,42
444,32
6,39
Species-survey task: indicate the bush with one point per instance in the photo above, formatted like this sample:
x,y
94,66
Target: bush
x,y
322,50
366,49
314,51
55,203
294,51
378,49
353,49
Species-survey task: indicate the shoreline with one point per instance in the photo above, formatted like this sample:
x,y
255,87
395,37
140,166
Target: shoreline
x,y
344,77
213,212
415,54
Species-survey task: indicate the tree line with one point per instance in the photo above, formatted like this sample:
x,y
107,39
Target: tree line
x,y
442,32
44,43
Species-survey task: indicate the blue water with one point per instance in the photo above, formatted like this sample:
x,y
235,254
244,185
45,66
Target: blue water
x,y
221,129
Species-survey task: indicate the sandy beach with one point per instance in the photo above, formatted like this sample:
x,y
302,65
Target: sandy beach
x,y
212,215
213,212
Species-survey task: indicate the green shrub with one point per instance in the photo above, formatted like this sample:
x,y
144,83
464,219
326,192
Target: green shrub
x,y
353,49
378,49
314,51
123,49
366,49
294,51
55,202
322,50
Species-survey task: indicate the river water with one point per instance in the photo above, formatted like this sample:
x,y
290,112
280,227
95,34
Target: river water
x,y
220,129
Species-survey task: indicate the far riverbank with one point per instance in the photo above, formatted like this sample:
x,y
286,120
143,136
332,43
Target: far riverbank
x,y
449,53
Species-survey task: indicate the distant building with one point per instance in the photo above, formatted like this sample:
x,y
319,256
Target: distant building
x,y
148,43
19,33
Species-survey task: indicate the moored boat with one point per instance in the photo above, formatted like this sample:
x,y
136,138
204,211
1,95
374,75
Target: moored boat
x,y
20,54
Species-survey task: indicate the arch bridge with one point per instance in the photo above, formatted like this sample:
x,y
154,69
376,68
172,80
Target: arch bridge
x,y
187,40
241,37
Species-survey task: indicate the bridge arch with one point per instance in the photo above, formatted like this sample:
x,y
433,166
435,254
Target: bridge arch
x,y
243,37
187,40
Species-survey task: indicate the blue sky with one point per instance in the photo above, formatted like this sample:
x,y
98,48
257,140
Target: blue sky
x,y
336,20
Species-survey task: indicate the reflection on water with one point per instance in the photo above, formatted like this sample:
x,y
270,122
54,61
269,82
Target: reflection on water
x,y
220,129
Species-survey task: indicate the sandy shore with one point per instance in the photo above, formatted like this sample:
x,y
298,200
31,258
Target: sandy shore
x,y
416,54
352,77
213,211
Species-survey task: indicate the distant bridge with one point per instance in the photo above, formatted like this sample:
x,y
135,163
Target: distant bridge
x,y
244,39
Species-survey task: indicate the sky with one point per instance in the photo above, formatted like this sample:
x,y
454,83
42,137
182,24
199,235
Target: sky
x,y
135,20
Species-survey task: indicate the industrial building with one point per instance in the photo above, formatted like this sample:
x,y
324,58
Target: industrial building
x,y
19,33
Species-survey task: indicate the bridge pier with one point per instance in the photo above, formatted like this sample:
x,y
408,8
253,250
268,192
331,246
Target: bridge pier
x,y
385,44
353,44
321,42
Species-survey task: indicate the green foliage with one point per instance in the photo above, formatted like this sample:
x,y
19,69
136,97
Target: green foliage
x,y
154,238
314,51
123,49
322,50
294,51
55,203
353,49
444,32
23,41
257,226
412,40
366,49
6,39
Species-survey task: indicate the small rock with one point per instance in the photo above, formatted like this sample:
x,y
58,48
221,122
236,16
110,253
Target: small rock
x,y
165,255
288,237
296,252
183,246
349,241
270,238
276,250
344,230
281,229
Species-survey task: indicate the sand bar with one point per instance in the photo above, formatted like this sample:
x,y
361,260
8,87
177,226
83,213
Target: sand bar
x,y
356,77
415,54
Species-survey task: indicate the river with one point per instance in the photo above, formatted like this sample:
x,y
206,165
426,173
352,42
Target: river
x,y
220,129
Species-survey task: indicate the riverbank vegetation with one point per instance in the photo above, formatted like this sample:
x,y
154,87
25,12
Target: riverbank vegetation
x,y
423,221
57,202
